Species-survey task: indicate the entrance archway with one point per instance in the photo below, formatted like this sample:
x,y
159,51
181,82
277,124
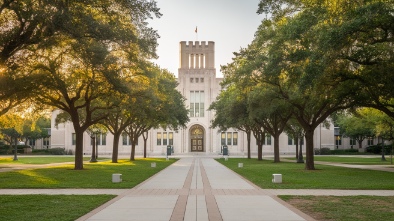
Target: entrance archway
x,y
197,138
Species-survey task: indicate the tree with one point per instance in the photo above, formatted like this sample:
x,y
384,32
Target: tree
x,y
11,129
272,113
356,127
78,72
232,112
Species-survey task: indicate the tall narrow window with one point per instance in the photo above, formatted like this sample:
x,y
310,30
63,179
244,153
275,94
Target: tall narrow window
x,y
124,139
235,138
158,138
268,139
352,141
171,138
289,141
370,141
229,138
103,139
73,139
223,138
164,138
197,103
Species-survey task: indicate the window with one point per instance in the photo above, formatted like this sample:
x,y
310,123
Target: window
x,y
223,138
158,138
197,80
103,139
124,139
32,142
191,80
235,138
229,138
338,140
370,141
165,138
352,141
202,80
289,141
46,141
73,139
268,138
171,138
197,103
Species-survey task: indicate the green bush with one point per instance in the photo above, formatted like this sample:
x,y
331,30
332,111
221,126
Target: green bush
x,y
377,149
7,149
344,152
57,151
322,151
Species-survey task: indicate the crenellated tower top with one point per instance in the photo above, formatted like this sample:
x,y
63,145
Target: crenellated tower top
x,y
197,55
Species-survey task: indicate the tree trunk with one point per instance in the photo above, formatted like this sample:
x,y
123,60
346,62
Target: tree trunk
x,y
259,151
15,148
93,158
78,149
360,144
132,155
115,147
310,163
248,135
276,148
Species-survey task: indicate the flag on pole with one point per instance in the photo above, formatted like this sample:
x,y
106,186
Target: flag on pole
x,y
195,30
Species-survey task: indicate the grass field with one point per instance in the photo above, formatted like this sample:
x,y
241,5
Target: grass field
x,y
344,208
38,160
48,207
94,175
296,177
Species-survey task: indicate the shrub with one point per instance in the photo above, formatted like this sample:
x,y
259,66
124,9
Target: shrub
x,y
377,149
322,151
57,151
344,152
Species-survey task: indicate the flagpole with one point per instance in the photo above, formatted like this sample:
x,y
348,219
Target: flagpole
x,y
196,33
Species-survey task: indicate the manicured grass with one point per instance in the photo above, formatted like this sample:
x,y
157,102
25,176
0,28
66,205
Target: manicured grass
x,y
296,177
354,160
94,175
48,207
38,160
344,208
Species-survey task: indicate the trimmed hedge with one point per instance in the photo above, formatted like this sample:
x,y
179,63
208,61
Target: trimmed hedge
x,y
50,151
7,149
377,149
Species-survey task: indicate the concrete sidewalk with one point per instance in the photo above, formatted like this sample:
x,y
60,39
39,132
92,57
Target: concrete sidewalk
x,y
196,189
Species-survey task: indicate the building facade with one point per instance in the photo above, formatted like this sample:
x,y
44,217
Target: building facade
x,y
200,86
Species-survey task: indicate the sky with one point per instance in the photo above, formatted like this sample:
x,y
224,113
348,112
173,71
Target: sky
x,y
231,24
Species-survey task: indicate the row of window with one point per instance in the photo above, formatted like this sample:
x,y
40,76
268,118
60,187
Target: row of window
x,y
229,138
165,138
196,80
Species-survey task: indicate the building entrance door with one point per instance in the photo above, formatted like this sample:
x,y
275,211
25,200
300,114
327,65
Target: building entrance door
x,y
197,138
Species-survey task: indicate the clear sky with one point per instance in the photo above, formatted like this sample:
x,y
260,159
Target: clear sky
x,y
231,24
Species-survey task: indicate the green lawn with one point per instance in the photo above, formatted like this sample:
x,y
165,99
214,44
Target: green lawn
x,y
48,207
38,160
296,177
354,160
94,175
344,208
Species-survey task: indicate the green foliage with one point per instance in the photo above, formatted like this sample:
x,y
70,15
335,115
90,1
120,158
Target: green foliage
x,y
377,149
343,152
48,207
322,151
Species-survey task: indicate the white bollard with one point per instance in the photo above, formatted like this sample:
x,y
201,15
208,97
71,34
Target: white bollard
x,y
225,158
153,164
277,178
240,165
116,178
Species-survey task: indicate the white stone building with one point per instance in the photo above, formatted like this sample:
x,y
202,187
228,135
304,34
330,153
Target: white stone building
x,y
200,86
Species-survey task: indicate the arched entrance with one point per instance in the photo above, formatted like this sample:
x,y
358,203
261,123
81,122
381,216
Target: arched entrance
x,y
197,138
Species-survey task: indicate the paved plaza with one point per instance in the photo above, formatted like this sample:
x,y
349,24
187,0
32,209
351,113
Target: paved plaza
x,y
196,188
